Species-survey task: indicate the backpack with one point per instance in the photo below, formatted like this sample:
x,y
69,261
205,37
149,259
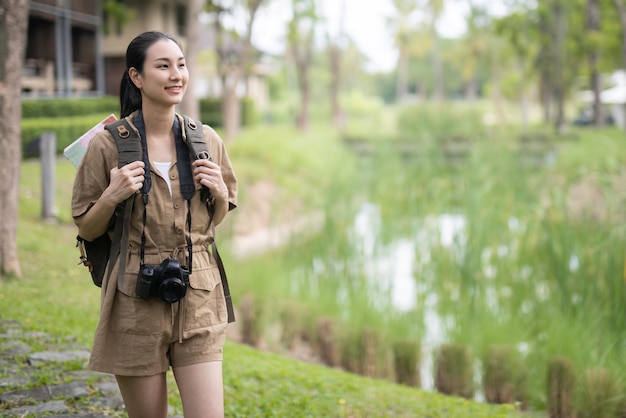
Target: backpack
x,y
95,255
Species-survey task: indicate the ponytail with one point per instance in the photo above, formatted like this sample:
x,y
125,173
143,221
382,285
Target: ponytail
x,y
130,96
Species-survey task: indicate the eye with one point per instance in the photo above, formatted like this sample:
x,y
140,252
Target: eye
x,y
162,66
182,65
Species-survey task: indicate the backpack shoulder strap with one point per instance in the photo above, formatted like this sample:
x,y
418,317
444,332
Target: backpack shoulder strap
x,y
199,150
129,149
197,147
195,139
128,142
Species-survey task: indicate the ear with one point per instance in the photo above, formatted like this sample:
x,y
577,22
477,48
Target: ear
x,y
135,77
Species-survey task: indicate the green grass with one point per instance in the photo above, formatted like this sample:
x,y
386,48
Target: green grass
x,y
56,295
271,386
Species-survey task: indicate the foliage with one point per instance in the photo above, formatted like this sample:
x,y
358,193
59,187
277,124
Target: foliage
x,y
67,130
55,108
116,14
211,112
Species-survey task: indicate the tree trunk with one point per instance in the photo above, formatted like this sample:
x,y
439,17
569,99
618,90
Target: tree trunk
x,y
231,109
253,8
13,30
593,27
558,92
230,74
438,92
523,99
303,85
402,78
335,85
334,51
190,104
620,6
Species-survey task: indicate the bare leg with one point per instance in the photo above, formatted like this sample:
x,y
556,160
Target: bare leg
x,y
201,389
144,397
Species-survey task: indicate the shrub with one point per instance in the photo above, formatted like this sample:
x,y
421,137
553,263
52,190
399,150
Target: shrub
x,y
600,394
327,346
407,360
503,375
211,112
61,108
251,320
67,130
453,371
561,384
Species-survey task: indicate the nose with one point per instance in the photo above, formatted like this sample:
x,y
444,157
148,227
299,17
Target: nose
x,y
175,73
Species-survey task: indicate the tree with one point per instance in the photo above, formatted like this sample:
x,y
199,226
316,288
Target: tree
x,y
593,31
301,31
476,46
234,59
13,30
516,30
402,26
335,44
190,102
620,7
434,9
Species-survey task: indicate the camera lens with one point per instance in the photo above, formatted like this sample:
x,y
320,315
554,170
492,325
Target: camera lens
x,y
172,289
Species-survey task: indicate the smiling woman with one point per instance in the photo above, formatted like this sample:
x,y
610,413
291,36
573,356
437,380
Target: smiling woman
x,y
162,299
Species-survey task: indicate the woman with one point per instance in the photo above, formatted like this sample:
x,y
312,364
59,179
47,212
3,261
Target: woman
x,y
139,338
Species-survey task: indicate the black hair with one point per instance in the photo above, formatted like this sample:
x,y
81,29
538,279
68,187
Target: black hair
x,y
130,96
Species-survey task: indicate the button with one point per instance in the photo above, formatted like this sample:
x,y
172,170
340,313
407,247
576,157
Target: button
x,y
176,205
179,230
173,176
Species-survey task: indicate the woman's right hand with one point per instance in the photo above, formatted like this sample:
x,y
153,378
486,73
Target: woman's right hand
x,y
125,181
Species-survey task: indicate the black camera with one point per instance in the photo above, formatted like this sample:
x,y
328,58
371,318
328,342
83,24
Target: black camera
x,y
167,280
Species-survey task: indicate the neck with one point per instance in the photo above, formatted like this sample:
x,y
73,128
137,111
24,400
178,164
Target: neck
x,y
158,121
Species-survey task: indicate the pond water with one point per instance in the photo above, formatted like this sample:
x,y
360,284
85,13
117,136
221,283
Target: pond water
x,y
398,274
391,271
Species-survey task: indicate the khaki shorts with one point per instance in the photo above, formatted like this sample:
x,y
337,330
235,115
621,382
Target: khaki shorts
x,y
147,336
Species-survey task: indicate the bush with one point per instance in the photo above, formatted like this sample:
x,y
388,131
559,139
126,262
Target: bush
x,y
211,112
504,375
600,394
407,359
453,371
67,130
561,384
56,108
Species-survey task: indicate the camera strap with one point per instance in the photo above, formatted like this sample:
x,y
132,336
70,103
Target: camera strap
x,y
187,187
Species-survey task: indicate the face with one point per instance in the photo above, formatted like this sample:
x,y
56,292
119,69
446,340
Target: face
x,y
165,75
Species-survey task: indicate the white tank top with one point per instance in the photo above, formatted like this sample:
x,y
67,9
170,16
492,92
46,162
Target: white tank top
x,y
164,169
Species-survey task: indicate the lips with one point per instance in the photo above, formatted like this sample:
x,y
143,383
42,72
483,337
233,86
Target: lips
x,y
174,88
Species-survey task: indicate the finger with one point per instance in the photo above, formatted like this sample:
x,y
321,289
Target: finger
x,y
134,165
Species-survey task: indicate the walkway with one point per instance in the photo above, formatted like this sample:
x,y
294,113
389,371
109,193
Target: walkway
x,y
42,375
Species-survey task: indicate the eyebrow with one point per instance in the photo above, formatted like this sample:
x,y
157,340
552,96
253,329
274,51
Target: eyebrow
x,y
167,59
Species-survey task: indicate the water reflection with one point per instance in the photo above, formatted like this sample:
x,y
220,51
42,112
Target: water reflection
x,y
394,271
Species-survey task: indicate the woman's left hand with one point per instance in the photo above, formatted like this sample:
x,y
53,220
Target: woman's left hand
x,y
209,174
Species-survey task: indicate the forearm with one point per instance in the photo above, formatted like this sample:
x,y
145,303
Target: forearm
x,y
95,221
220,207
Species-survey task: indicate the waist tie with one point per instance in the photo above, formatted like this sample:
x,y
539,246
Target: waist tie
x,y
181,318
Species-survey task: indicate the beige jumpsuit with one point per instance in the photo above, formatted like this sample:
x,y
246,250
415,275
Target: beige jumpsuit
x,y
143,337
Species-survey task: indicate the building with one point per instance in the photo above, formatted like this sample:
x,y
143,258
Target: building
x,y
62,52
